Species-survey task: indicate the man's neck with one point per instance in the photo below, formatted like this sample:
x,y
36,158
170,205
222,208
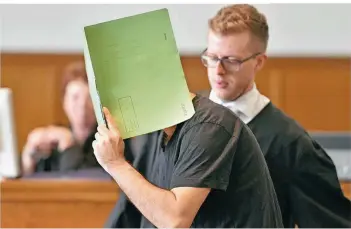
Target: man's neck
x,y
169,131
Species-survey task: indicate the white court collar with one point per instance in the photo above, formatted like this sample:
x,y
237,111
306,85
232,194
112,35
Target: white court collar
x,y
247,106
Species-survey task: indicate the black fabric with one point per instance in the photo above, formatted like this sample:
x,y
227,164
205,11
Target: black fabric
x,y
213,149
304,176
73,158
204,161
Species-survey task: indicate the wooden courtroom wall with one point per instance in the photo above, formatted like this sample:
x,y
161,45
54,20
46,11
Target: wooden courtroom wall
x,y
314,91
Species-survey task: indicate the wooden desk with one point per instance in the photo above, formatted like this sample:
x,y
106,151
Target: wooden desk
x,y
63,203
57,203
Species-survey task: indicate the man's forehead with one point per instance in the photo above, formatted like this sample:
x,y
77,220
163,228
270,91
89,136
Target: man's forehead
x,y
237,44
77,87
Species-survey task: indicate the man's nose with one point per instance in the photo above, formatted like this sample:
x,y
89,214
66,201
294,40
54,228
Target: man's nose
x,y
219,68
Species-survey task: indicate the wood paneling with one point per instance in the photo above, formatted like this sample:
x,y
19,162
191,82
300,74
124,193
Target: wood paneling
x,y
314,91
195,73
346,187
35,81
32,109
57,204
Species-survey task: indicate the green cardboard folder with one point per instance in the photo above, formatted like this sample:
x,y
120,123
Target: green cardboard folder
x,y
134,70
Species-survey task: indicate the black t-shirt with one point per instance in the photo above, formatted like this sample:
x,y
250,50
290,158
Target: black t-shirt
x,y
215,149
304,176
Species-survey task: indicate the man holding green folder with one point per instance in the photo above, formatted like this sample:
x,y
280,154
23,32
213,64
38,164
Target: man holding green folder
x,y
199,166
208,172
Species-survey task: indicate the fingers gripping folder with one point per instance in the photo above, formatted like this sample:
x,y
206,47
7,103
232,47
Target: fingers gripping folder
x,y
101,109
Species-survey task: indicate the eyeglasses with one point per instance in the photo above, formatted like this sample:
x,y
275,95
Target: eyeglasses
x,y
229,63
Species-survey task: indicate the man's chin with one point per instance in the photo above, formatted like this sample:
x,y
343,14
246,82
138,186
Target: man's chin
x,y
223,95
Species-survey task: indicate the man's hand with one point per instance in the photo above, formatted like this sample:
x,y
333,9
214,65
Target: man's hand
x,y
108,145
38,141
61,136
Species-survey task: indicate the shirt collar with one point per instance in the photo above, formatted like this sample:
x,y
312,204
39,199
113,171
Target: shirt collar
x,y
247,106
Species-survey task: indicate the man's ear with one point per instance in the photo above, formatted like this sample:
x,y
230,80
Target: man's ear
x,y
261,60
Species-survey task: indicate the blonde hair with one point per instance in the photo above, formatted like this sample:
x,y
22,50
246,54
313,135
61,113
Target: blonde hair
x,y
241,18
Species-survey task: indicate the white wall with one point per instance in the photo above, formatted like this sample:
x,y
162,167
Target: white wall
x,y
299,29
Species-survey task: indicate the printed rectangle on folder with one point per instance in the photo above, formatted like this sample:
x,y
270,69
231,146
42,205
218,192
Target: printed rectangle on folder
x,y
134,70
128,114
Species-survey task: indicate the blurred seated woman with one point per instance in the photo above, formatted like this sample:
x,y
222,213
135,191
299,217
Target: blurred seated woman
x,y
60,148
